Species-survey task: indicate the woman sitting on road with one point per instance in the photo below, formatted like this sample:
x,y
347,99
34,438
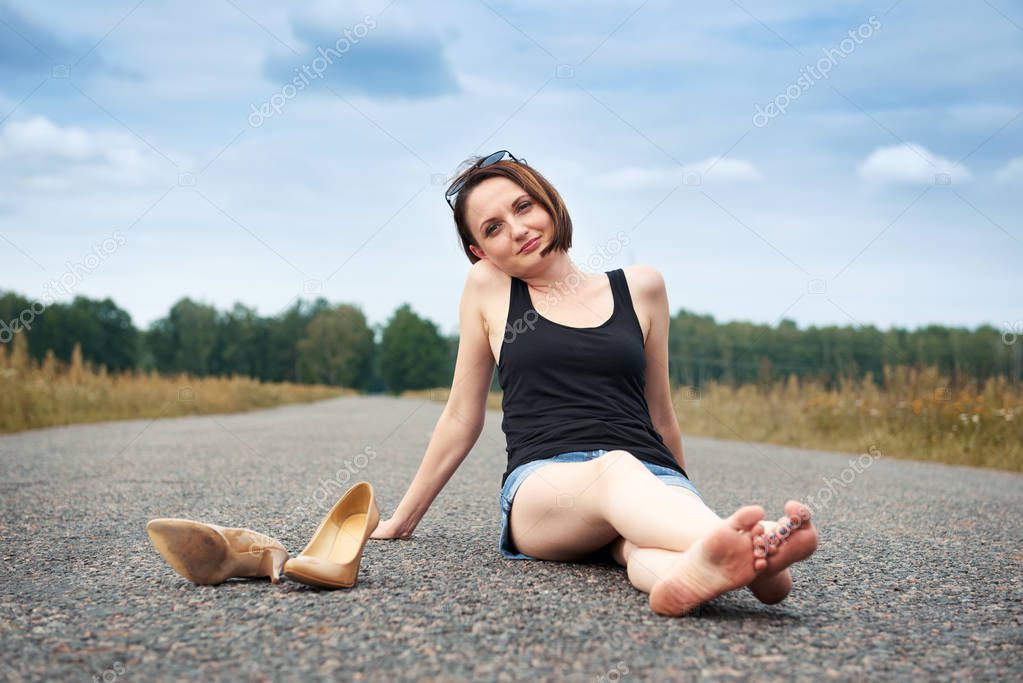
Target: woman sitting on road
x,y
595,461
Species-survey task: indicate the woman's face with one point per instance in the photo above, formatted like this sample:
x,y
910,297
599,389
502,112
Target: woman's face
x,y
503,218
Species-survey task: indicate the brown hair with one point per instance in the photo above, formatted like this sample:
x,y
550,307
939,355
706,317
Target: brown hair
x,y
534,184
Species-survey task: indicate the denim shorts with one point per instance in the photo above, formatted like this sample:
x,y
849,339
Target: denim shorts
x,y
519,474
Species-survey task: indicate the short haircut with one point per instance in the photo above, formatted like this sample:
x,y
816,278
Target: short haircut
x,y
534,184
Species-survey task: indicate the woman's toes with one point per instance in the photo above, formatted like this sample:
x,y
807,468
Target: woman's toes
x,y
794,508
746,518
759,549
798,534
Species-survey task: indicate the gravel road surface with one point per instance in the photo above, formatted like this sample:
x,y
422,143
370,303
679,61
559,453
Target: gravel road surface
x,y
918,574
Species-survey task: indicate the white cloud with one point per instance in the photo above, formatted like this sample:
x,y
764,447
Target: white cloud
x,y
39,138
909,163
716,169
44,156
1011,172
710,170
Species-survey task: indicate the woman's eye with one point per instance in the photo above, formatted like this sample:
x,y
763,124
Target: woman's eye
x,y
520,208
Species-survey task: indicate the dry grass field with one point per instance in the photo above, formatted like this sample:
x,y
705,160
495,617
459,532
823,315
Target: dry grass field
x,y
34,395
918,415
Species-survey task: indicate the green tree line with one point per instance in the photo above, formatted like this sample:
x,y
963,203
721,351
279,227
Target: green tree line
x,y
311,342
702,349
319,342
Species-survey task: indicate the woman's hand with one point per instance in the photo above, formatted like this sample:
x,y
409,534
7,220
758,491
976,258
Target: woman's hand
x,y
391,529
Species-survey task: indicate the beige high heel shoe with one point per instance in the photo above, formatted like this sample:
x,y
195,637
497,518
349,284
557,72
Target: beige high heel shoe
x,y
332,557
207,554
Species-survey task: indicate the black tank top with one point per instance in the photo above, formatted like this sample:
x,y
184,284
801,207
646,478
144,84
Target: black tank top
x,y
575,389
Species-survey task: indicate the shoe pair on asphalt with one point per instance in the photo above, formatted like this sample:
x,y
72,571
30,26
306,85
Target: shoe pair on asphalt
x,y
208,554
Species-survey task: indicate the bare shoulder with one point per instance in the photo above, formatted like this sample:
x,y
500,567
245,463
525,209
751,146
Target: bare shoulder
x,y
649,298
484,278
484,285
645,282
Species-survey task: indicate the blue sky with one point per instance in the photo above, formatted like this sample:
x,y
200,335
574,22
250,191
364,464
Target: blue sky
x,y
888,192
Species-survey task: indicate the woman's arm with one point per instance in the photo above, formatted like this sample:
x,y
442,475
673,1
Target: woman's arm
x,y
452,440
461,423
650,288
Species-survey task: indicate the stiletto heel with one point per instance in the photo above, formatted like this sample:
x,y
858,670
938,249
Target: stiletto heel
x,y
208,554
334,554
272,563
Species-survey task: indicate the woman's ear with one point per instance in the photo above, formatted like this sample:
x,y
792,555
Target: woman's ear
x,y
477,251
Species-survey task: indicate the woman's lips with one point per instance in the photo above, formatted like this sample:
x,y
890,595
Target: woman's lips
x,y
530,245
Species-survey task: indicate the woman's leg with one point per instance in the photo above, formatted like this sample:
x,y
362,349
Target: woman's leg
x,y
646,566
566,511
576,508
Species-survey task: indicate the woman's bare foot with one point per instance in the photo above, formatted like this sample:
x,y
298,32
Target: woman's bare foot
x,y
719,562
776,545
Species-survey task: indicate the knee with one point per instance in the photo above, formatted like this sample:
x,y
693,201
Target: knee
x,y
618,462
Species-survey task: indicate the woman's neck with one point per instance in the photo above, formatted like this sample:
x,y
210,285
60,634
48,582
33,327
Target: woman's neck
x,y
558,273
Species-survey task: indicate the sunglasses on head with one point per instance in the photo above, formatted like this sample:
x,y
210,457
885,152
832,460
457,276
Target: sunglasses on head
x,y
483,162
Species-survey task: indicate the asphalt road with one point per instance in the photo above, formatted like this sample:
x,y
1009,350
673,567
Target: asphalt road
x,y
918,574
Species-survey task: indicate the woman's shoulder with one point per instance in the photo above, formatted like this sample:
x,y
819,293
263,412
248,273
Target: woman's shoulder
x,y
643,280
485,279
486,286
649,295
483,272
